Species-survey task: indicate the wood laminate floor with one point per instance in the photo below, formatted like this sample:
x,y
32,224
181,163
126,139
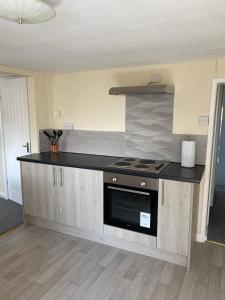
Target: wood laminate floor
x,y
36,263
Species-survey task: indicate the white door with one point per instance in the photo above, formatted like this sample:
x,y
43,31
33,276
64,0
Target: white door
x,y
15,124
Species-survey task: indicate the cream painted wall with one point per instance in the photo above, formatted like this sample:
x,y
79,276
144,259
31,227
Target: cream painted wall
x,y
83,97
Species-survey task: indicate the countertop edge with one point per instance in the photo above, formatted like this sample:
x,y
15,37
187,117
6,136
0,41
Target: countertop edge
x,y
61,164
97,168
196,181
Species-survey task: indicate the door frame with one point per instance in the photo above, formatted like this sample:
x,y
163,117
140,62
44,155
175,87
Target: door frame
x,y
5,195
210,152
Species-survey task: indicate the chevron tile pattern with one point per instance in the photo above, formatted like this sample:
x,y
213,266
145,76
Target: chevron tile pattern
x,y
149,121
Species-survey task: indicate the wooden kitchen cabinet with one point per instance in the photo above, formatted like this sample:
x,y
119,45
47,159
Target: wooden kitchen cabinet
x,y
70,200
81,198
40,192
70,196
175,216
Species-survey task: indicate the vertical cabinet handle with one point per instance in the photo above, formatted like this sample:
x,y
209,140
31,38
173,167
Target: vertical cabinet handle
x,y
61,177
61,182
54,176
163,187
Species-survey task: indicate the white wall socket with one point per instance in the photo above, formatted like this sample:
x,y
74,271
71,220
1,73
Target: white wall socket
x,y
56,113
68,125
203,120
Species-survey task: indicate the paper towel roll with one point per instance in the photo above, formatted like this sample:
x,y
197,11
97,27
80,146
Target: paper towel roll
x,y
188,154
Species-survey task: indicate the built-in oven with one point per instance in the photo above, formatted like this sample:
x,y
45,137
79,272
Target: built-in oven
x,y
131,202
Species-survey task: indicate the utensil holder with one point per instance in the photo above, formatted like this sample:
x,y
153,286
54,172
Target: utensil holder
x,y
54,148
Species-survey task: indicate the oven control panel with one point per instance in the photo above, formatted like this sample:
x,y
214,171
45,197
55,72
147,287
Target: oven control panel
x,y
131,181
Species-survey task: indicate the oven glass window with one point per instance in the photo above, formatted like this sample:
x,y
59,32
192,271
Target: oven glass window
x,y
129,206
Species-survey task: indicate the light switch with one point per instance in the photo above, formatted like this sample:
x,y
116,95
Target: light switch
x,y
203,120
68,125
155,77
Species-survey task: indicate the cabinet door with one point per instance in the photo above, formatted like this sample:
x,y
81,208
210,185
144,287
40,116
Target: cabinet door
x,y
40,191
174,216
68,208
81,198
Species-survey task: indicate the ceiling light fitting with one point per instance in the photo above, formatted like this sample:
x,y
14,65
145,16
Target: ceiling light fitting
x,y
26,11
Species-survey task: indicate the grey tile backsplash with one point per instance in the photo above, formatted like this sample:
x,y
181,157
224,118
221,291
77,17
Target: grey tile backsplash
x,y
114,144
90,142
149,121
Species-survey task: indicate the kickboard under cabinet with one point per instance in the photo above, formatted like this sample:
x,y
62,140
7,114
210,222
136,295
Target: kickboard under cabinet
x,y
131,236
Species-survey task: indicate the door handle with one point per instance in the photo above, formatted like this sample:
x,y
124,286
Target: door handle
x,y
54,176
27,146
128,190
61,204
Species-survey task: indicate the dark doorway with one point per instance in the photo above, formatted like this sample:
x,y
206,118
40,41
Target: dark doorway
x,y
216,226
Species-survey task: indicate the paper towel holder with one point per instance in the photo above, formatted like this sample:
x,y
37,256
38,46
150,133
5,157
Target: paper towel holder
x,y
188,152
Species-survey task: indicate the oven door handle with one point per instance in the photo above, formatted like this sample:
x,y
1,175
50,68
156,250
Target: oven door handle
x,y
128,190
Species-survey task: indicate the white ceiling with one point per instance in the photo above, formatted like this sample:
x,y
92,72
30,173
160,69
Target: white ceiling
x,y
95,34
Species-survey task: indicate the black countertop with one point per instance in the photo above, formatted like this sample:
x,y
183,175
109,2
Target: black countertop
x,y
173,171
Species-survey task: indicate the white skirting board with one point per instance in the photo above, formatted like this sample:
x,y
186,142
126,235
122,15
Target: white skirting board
x,y
3,196
200,238
110,240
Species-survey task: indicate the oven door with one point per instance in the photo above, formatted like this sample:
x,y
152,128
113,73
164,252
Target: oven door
x,y
131,208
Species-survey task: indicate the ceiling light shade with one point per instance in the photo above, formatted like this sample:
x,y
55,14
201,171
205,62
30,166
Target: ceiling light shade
x,y
26,11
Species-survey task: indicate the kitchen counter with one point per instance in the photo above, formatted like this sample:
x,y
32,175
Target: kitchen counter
x,y
68,159
173,171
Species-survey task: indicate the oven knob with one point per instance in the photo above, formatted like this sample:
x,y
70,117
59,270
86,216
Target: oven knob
x,y
143,183
114,179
